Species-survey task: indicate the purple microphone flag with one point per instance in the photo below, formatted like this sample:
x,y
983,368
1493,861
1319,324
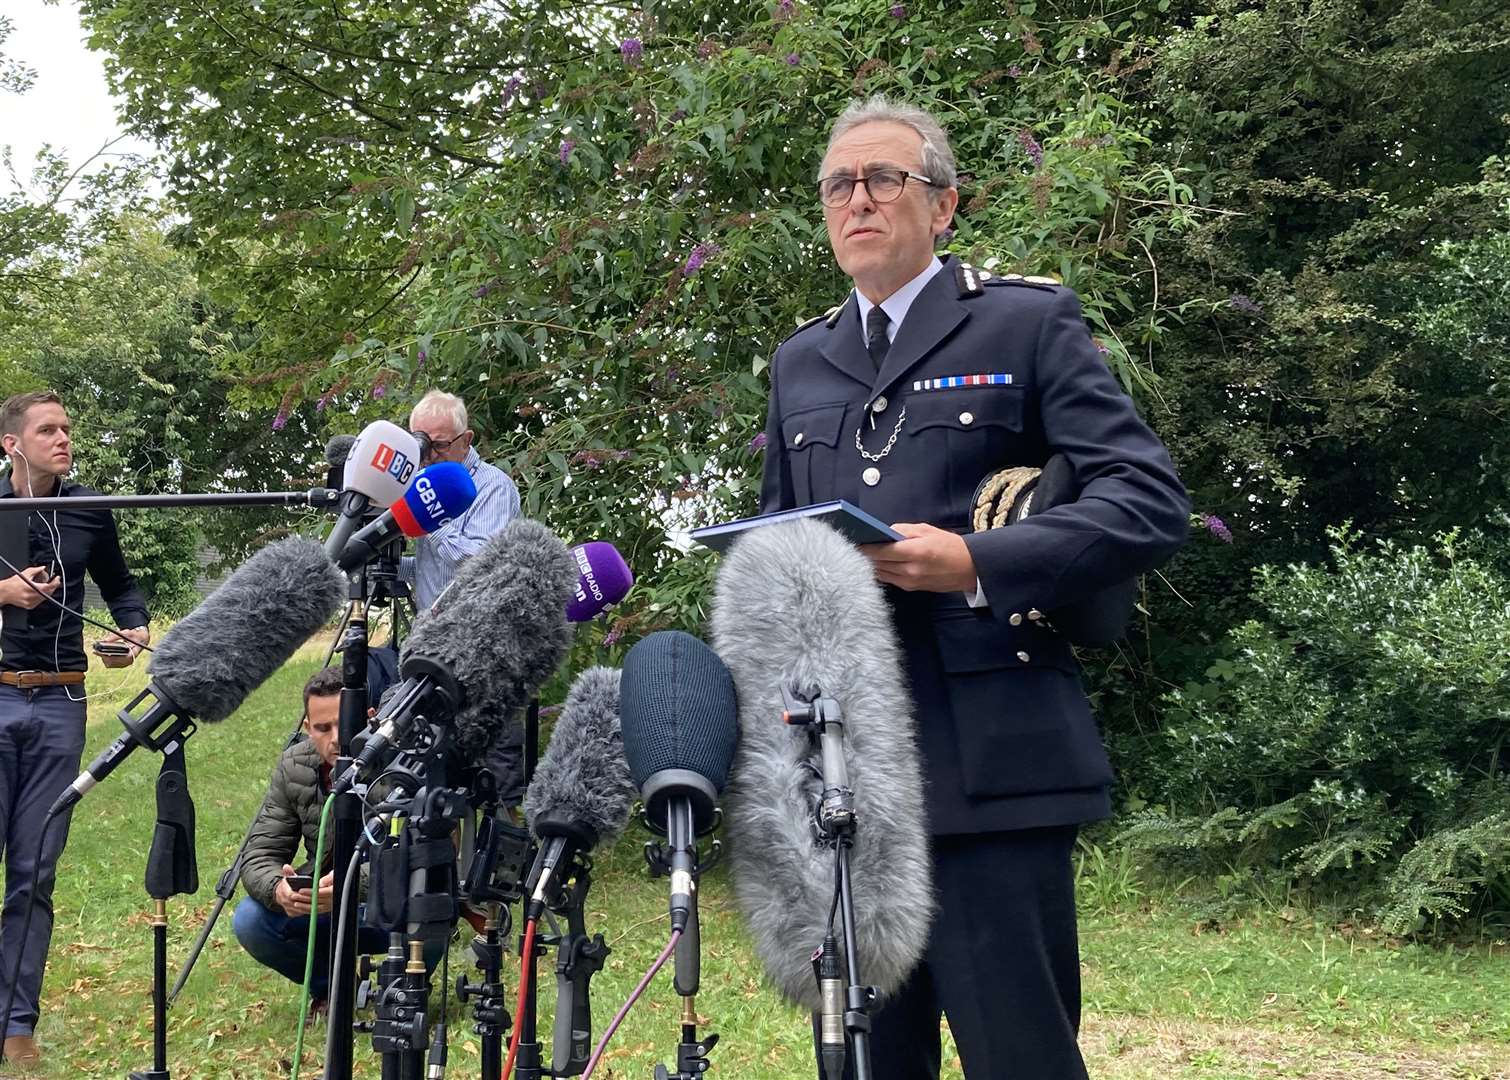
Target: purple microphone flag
x,y
603,579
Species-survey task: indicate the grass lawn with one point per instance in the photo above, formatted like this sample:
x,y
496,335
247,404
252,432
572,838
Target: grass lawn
x,y
1162,998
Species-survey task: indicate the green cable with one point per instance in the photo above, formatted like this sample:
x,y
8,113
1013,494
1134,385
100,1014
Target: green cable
x,y
309,951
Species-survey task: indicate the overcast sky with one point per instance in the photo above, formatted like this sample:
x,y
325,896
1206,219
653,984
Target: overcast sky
x,y
68,105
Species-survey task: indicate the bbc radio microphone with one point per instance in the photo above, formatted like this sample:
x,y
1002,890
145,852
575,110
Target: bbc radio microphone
x,y
603,579
476,658
795,605
439,493
375,471
580,796
211,659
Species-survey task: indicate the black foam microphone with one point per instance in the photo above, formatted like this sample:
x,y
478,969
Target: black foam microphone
x,y
211,659
797,607
678,709
477,656
581,792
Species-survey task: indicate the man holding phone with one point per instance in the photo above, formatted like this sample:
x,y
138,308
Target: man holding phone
x,y
272,921
42,667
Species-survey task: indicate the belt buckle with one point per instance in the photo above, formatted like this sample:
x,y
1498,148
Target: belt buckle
x,y
24,683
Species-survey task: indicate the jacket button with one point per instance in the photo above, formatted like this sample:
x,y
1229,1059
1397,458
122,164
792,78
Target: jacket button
x,y
797,439
1034,614
1024,657
878,405
871,476
1015,618
967,418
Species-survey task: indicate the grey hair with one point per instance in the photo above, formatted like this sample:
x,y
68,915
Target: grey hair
x,y
439,403
938,158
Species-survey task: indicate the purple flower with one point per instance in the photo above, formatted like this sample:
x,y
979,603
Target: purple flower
x,y
1014,71
700,254
379,390
420,359
567,146
1217,528
511,89
1102,349
785,10
280,419
898,11
757,444
549,711
612,637
793,59
1246,304
708,48
320,403
633,50
1031,147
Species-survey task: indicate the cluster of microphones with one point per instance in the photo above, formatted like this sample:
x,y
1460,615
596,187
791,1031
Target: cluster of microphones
x,y
693,731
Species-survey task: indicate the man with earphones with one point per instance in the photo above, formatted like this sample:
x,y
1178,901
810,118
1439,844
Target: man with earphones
x,y
42,666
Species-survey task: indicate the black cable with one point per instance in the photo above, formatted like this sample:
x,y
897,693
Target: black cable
x,y
32,585
833,910
31,907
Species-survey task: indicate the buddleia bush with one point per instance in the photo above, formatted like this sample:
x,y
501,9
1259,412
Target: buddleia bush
x,y
1353,738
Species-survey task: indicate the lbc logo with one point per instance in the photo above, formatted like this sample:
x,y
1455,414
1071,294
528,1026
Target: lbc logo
x,y
393,463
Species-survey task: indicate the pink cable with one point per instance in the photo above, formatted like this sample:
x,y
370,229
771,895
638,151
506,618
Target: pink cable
x,y
638,990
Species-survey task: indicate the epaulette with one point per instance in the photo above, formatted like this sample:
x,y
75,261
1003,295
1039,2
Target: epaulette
x,y
972,281
1047,284
830,316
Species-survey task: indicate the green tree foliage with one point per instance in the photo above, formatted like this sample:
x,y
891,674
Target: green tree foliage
x,y
129,340
598,228
1355,734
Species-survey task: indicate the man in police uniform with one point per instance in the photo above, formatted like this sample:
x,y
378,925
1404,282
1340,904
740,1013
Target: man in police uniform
x,y
930,376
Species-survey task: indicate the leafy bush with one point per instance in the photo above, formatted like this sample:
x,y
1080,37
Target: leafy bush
x,y
1354,737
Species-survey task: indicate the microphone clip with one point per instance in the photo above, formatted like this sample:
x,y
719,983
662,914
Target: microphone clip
x,y
658,859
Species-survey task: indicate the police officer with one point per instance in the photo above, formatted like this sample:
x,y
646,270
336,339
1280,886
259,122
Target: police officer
x,y
930,376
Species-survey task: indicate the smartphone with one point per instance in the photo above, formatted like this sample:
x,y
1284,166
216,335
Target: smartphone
x,y
112,648
300,881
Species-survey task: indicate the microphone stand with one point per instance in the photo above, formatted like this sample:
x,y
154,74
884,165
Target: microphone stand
x,y
680,856
834,825
171,870
527,1064
318,498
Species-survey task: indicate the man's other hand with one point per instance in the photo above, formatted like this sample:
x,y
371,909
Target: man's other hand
x,y
18,593
327,892
294,902
929,559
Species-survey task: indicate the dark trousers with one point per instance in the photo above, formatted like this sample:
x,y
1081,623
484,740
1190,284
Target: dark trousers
x,y
1003,965
41,742
279,941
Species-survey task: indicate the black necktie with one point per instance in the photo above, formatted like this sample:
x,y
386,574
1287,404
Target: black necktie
x,y
875,335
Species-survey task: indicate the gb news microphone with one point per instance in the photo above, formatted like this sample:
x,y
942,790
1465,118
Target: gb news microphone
x,y
796,608
678,714
376,467
475,660
207,664
439,493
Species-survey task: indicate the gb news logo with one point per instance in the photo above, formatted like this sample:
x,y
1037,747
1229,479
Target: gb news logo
x,y
429,499
393,462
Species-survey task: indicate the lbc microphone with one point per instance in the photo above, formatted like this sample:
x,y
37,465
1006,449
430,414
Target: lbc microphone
x,y
603,579
796,604
376,467
477,659
439,493
215,656
677,709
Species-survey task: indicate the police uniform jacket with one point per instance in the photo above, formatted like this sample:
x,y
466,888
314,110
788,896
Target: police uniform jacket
x,y
1006,732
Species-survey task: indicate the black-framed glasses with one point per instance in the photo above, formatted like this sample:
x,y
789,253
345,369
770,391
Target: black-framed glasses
x,y
429,447
883,185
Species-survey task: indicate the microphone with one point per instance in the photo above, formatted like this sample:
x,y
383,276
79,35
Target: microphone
x,y
376,467
337,450
439,493
603,579
478,659
581,792
677,710
795,605
211,659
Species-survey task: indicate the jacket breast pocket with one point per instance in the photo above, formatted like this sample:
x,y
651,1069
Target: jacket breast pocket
x,y
970,431
812,439
1021,719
